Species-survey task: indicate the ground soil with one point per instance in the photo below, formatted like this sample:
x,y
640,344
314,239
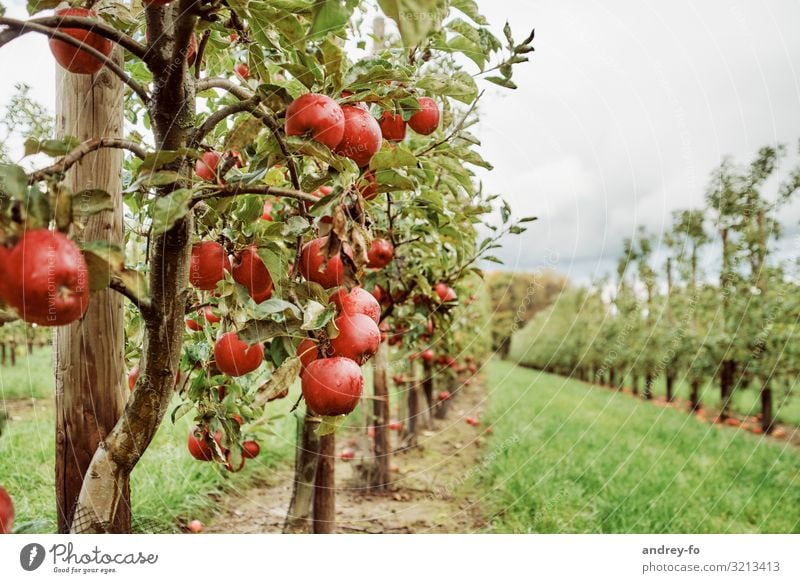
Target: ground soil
x,y
431,492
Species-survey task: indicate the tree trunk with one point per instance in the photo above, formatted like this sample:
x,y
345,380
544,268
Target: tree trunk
x,y
89,365
412,413
611,378
172,108
305,472
648,385
767,417
694,396
324,520
427,388
670,387
13,352
2,353
380,475
635,384
725,387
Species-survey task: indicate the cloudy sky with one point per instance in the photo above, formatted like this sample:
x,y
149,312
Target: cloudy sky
x,y
625,108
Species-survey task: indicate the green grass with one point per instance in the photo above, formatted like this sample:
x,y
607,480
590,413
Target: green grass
x,y
168,486
567,457
31,377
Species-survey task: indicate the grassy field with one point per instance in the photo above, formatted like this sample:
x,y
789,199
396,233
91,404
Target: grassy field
x,y
566,457
169,487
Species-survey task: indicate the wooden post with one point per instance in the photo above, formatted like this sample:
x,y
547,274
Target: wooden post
x,y
89,363
306,458
427,389
380,381
325,487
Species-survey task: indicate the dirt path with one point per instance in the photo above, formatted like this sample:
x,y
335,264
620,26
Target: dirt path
x,y
429,493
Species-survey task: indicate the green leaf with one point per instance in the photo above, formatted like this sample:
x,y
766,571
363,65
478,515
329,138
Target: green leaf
x,y
90,202
296,226
393,180
244,132
470,8
13,181
317,315
459,85
181,410
329,16
155,179
503,82
103,259
329,425
415,19
51,147
397,157
35,6
276,260
255,331
157,160
168,210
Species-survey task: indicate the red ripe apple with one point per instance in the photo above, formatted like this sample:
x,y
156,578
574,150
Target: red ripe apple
x,y
195,526
242,70
250,449
47,279
371,431
307,352
133,377
72,58
357,301
198,446
347,454
378,293
250,271
332,386
321,192
362,136
318,116
445,292
192,325
312,260
266,213
359,337
393,127
398,379
210,316
206,167
444,395
426,120
208,264
472,421
367,185
427,355
396,425
472,368
6,512
467,382
380,253
234,357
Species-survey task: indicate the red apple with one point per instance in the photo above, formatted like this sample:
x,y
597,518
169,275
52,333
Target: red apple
x,y
398,379
6,512
234,357
318,116
396,425
347,454
208,265
362,136
380,253
307,352
427,355
367,185
72,58
230,467
191,51
47,279
426,120
133,376
250,449
199,447
371,431
359,337
210,316
266,213
444,395
195,526
312,261
357,301
332,386
206,167
393,127
242,70
250,271
445,292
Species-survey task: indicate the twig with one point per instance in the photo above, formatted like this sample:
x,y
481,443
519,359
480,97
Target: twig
x,y
201,49
219,115
82,150
232,190
456,130
56,34
144,304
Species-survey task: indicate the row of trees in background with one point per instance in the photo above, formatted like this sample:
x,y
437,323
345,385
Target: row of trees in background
x,y
672,314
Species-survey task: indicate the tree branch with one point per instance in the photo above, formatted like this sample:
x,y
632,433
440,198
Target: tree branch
x,y
144,305
56,34
232,190
97,27
219,115
87,147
